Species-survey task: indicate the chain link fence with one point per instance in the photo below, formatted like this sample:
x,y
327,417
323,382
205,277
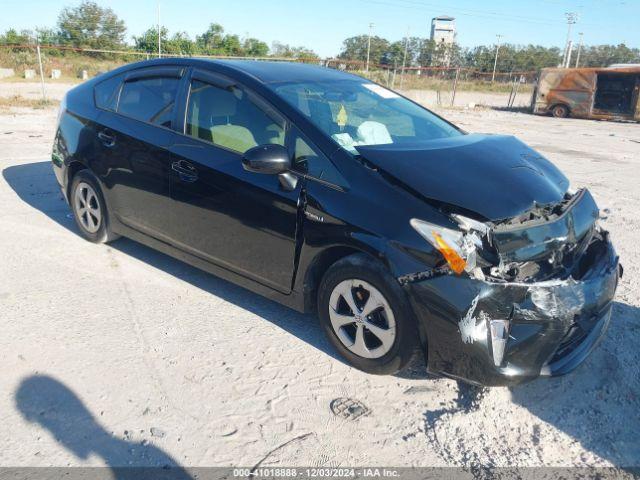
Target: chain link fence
x,y
443,86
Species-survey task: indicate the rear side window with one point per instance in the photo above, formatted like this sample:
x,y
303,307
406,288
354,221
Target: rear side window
x,y
106,93
150,99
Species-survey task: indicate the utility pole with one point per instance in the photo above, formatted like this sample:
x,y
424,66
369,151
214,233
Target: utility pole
x,y
44,95
579,50
569,53
495,62
159,34
404,58
369,47
572,18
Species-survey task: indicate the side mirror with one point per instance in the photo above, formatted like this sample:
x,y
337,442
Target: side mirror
x,y
271,159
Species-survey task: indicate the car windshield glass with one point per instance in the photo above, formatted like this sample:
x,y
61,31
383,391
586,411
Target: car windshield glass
x,y
357,113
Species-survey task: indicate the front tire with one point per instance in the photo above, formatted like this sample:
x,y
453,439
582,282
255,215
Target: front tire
x,y
366,316
89,208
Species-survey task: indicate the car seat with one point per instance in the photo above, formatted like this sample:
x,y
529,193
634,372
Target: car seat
x,y
223,131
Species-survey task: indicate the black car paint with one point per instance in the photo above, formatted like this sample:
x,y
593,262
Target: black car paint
x,y
536,330
450,169
240,220
246,228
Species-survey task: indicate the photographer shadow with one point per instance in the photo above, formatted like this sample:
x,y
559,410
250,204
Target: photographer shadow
x,y
45,401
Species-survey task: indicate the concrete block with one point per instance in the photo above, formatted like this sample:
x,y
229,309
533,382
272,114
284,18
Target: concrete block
x,y
7,72
83,74
55,74
29,73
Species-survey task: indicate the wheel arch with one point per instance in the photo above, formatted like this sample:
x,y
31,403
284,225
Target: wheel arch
x,y
72,169
378,250
376,264
319,265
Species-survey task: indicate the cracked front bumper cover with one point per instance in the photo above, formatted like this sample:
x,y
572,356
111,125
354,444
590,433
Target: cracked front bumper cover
x,y
552,325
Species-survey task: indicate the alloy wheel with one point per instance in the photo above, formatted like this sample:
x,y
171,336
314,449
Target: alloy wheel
x,y
87,207
362,318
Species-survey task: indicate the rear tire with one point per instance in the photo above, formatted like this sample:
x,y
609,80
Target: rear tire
x,y
89,208
560,111
380,336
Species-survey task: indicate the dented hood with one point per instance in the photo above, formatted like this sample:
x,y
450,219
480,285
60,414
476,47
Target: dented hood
x,y
495,176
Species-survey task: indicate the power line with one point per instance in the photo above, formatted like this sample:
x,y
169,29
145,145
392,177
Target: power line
x,y
428,7
480,13
492,16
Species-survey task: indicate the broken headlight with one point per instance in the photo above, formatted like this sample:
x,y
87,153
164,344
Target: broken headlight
x,y
458,248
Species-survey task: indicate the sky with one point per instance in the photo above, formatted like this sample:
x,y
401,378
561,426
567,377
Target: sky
x,y
323,25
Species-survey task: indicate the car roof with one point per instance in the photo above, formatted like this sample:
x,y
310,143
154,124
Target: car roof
x,y
259,70
278,71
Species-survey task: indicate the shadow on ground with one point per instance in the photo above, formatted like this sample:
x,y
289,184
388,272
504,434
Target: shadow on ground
x,y
596,406
36,185
515,109
56,408
599,403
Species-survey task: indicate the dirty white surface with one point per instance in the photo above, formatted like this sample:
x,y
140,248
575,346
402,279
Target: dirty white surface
x,y
120,355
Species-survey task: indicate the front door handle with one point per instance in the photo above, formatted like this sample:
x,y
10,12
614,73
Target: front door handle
x,y
185,170
106,139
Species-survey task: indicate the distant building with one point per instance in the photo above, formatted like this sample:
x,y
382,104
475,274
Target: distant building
x,y
443,30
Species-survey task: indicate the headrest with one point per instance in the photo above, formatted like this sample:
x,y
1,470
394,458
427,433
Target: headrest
x,y
224,104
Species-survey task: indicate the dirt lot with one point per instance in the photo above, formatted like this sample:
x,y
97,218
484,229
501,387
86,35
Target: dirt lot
x,y
120,355
56,89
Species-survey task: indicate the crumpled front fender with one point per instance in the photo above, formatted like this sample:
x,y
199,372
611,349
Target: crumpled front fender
x,y
546,323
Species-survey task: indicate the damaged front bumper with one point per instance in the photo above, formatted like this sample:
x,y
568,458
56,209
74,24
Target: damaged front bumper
x,y
491,333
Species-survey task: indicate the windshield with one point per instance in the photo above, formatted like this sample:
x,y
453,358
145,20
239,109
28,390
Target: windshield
x,y
357,113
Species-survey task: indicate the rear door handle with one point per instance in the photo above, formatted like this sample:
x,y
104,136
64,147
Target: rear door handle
x,y
106,139
185,170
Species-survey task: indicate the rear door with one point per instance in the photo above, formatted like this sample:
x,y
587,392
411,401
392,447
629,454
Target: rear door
x,y
135,139
242,221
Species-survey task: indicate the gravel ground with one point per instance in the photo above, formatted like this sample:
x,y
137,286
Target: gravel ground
x,y
56,89
119,355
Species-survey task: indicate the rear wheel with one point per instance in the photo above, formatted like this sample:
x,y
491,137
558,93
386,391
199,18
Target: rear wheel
x,y
366,316
89,209
560,111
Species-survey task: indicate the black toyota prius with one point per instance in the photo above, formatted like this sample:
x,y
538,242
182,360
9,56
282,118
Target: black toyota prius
x,y
332,194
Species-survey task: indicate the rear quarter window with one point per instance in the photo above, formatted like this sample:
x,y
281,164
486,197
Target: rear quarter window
x,y
106,93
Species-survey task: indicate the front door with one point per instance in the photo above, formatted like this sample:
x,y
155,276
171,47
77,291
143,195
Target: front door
x,y
242,221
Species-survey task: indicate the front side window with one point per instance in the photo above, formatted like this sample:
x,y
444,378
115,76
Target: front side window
x,y
231,118
309,161
354,112
149,99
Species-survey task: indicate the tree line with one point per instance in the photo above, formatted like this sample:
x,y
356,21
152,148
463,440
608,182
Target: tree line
x,y
426,52
89,25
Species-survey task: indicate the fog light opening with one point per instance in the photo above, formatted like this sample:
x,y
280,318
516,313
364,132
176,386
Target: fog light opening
x,y
499,334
